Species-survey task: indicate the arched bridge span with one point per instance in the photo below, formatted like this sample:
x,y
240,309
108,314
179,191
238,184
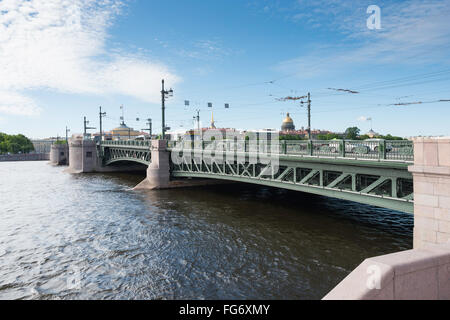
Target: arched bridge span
x,y
371,173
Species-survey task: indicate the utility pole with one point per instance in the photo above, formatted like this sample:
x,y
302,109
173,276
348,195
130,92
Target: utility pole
x,y
67,135
86,128
164,95
197,118
101,115
149,123
309,116
302,103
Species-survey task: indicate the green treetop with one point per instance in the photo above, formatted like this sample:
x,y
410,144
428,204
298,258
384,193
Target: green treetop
x,y
15,144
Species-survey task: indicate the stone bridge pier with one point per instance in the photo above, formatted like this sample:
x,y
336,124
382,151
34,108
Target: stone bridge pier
x,y
431,172
59,154
424,271
85,157
158,172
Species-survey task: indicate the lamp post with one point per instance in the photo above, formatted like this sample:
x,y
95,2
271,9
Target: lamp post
x,y
149,123
101,115
86,128
309,116
67,135
165,94
198,125
302,103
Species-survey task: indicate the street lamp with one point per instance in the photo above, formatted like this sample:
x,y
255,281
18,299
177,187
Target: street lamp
x,y
165,94
67,135
86,128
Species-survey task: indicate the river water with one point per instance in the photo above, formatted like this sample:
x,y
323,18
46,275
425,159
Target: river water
x,y
64,236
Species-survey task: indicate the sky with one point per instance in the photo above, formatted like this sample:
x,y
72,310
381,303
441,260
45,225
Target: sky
x,y
62,59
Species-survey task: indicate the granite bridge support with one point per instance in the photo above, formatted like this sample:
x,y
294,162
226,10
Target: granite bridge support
x,y
59,154
424,271
85,157
158,172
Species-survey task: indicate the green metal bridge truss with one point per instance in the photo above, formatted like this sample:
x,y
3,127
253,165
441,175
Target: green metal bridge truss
x,y
120,151
374,173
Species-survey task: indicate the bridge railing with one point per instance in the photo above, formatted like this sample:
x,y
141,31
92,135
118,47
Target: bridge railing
x,y
132,143
401,150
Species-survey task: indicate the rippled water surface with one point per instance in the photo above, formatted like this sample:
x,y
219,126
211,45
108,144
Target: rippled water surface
x,y
92,237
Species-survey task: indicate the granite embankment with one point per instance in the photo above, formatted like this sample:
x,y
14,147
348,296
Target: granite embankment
x,y
25,157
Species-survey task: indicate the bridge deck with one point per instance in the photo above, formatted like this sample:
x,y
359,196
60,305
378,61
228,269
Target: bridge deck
x,y
374,173
396,150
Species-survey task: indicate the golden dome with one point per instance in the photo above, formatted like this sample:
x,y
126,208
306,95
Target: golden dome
x,y
288,124
288,119
124,130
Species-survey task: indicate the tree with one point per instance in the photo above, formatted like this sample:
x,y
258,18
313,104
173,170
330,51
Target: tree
x,y
329,136
291,137
352,133
3,147
390,137
15,144
14,148
364,137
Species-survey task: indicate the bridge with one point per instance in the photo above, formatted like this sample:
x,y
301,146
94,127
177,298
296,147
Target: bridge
x,y
410,176
374,172
124,151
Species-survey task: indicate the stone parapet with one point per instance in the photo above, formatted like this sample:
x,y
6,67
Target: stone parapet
x,y
158,172
59,154
83,157
431,174
418,274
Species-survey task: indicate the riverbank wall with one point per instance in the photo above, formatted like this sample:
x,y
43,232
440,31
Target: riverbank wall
x,y
25,157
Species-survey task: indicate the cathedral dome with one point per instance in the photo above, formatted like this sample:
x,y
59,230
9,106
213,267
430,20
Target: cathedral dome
x,y
288,124
123,127
124,131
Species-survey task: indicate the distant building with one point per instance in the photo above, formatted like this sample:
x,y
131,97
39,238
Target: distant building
x,y
43,145
264,134
372,134
213,125
123,132
288,124
196,135
288,129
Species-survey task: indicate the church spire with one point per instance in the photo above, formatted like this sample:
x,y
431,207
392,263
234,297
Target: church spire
x,y
213,126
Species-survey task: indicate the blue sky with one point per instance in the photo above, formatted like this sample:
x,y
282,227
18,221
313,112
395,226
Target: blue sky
x,y
62,59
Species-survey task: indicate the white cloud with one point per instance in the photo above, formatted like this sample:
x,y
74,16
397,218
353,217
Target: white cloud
x,y
60,45
16,104
135,77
